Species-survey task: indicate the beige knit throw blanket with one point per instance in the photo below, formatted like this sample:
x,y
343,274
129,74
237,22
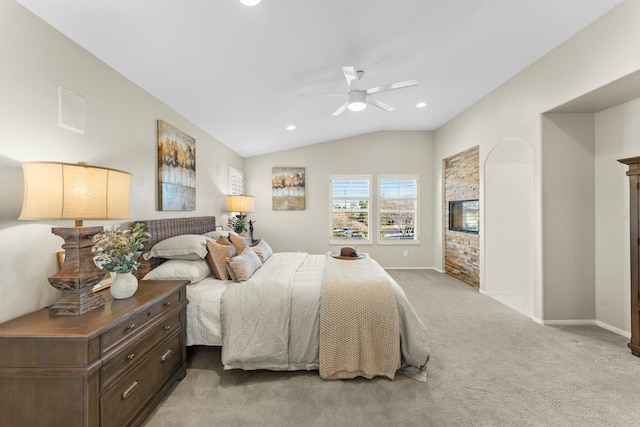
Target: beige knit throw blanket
x,y
359,323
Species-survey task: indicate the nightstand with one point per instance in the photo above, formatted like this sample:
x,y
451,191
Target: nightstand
x,y
108,367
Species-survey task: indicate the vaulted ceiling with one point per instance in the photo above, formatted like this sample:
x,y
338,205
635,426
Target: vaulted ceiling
x,y
238,71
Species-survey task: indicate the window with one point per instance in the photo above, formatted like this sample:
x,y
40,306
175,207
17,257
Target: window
x,y
236,184
398,209
351,195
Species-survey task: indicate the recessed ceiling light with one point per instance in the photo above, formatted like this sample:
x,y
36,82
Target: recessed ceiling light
x,y
421,104
291,127
250,2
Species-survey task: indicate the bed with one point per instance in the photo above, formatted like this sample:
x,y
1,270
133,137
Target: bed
x,y
274,318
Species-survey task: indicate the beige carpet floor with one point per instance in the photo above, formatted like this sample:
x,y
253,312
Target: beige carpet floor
x,y
490,366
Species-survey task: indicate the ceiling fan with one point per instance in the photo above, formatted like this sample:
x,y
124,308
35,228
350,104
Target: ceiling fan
x,y
359,98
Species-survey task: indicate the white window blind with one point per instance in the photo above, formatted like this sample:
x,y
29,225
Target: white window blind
x,y
398,208
236,184
350,208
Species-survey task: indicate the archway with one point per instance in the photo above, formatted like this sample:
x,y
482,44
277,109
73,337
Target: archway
x,y
508,238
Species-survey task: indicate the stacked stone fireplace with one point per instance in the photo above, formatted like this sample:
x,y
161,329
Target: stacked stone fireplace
x,y
462,249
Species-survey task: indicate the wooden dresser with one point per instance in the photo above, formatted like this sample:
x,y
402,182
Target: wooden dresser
x,y
108,367
634,204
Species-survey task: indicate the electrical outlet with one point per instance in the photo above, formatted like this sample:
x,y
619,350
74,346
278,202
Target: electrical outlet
x,y
406,253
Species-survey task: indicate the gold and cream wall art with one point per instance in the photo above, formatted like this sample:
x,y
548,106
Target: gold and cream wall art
x,y
288,188
176,169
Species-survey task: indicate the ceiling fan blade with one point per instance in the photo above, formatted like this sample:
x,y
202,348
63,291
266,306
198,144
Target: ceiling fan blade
x,y
306,95
341,109
382,105
350,74
392,86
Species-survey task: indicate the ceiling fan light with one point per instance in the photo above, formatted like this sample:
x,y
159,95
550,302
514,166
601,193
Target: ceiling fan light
x,y
357,106
250,2
357,100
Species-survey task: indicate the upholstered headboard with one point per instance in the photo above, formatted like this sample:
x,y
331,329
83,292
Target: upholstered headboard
x,y
161,229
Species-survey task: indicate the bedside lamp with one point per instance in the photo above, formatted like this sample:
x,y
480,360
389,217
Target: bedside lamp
x,y
241,204
59,191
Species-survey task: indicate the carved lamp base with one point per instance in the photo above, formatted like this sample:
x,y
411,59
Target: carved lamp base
x,y
78,273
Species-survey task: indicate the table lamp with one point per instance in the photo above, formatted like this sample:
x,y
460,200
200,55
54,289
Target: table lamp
x,y
241,204
61,191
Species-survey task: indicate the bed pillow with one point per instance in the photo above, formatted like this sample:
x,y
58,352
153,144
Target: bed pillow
x,y
178,269
217,259
240,241
222,240
232,275
263,250
185,246
214,235
245,264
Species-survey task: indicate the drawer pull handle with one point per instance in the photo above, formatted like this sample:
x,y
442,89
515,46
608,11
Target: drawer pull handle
x,y
131,356
167,355
130,390
167,304
131,327
166,328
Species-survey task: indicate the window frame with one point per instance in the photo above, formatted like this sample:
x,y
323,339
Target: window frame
x,y
380,199
351,242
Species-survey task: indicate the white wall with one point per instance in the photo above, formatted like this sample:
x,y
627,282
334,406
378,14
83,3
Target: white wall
x,y
568,206
389,152
617,136
120,132
601,53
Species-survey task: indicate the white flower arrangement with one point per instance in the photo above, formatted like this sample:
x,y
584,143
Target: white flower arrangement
x,y
118,250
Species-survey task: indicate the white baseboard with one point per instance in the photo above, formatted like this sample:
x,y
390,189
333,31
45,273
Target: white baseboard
x,y
589,322
538,320
576,322
613,329
412,268
581,322
506,302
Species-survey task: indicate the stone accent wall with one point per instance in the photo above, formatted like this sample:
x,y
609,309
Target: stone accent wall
x,y
462,250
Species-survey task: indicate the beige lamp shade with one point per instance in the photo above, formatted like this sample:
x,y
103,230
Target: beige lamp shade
x,y
240,203
74,191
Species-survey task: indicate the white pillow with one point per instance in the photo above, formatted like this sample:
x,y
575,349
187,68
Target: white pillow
x,y
186,246
179,269
263,250
215,234
244,265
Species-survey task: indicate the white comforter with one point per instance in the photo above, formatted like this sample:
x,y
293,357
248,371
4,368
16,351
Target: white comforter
x,y
272,320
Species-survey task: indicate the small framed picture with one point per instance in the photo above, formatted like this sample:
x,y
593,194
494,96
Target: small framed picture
x,y
105,282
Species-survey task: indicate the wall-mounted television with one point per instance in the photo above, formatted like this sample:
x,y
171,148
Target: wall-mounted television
x,y
464,215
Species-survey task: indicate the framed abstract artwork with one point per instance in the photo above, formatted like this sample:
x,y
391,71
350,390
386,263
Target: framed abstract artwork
x,y
176,169
288,189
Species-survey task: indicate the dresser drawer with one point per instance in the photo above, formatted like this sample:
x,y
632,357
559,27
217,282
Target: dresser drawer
x,y
128,356
131,325
130,394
